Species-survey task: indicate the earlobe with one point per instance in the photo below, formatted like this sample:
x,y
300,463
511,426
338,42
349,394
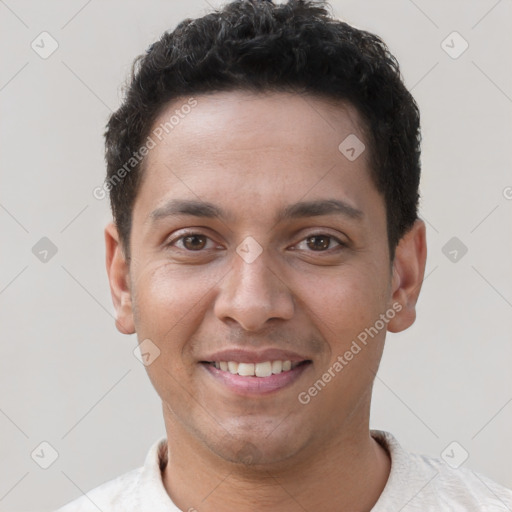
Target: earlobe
x,y
408,274
119,280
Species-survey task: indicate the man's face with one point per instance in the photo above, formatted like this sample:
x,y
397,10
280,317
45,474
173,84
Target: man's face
x,y
253,233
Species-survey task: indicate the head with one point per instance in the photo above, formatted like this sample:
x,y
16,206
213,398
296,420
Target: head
x,y
260,47
263,174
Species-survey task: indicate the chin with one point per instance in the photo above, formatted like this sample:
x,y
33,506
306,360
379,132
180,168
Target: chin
x,y
263,448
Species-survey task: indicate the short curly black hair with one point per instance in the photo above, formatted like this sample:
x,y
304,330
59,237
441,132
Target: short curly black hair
x,y
259,46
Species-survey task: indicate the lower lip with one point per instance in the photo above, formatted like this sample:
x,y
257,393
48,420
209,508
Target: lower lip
x,y
256,385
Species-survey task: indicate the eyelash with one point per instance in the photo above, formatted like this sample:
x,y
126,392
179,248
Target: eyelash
x,y
340,245
185,235
331,239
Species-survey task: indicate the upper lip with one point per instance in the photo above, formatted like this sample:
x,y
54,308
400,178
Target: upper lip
x,y
241,355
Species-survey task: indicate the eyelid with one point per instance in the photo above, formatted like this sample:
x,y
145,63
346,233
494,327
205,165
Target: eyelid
x,y
198,231
332,238
180,234
336,238
180,239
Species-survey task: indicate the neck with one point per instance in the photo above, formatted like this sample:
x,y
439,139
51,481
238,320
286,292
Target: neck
x,y
347,473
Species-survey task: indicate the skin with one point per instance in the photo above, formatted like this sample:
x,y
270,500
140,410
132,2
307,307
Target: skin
x,y
252,155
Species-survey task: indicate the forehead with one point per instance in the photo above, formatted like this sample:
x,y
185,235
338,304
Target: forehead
x,y
262,149
308,124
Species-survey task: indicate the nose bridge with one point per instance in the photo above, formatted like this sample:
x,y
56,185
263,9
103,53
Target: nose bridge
x,y
252,293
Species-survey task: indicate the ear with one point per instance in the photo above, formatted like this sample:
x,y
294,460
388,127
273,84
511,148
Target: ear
x,y
118,270
408,274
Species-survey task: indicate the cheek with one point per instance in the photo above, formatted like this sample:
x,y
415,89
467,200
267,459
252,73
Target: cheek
x,y
344,302
343,307
169,304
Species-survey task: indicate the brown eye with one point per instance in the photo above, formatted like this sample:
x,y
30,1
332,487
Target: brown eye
x,y
194,242
318,242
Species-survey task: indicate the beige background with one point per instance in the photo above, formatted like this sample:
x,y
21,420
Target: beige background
x,y
69,379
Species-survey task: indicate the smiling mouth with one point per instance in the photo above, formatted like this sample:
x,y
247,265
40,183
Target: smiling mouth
x,y
263,369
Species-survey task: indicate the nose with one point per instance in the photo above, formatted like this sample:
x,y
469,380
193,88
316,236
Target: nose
x,y
252,294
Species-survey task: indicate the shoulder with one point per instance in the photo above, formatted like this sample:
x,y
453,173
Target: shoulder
x,y
463,487
417,482
113,493
139,489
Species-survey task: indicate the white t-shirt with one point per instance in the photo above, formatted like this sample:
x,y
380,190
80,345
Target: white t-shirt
x,y
416,483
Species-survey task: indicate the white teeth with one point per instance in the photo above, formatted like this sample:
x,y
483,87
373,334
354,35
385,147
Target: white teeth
x,y
265,369
277,366
246,369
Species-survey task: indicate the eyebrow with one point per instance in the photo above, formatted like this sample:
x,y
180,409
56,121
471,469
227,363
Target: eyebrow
x,y
318,208
187,207
176,207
